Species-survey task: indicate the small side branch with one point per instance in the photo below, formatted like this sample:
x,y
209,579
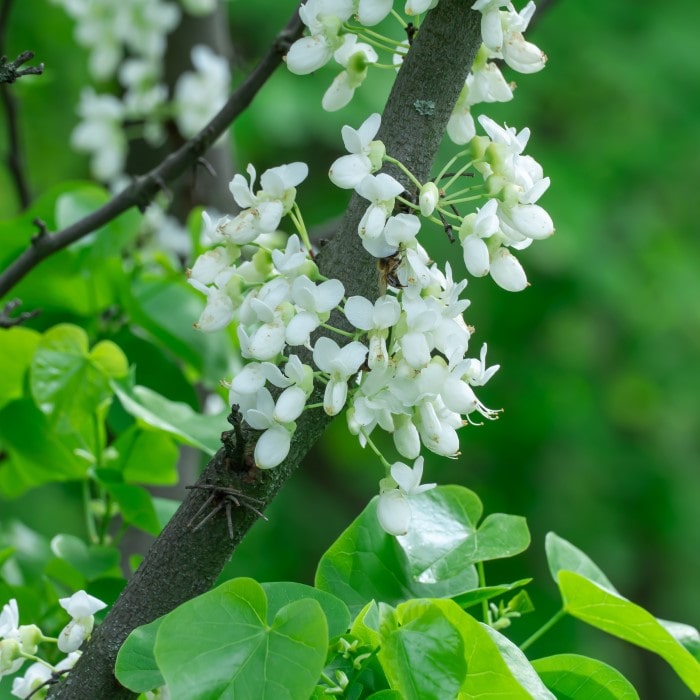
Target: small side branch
x,y
7,320
145,187
11,71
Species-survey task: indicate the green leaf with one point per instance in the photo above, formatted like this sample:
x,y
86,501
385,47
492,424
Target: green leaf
x,y
478,595
518,665
574,677
366,563
497,669
444,540
35,455
70,384
175,418
147,457
78,280
684,634
107,241
136,667
18,346
422,650
92,561
280,594
610,612
165,509
136,506
222,644
6,553
166,308
433,560
563,556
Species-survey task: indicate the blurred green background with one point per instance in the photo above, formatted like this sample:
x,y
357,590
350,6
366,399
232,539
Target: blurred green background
x,y
599,439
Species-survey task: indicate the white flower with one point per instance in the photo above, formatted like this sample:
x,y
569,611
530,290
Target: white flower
x,y
340,364
201,93
9,620
324,19
314,303
507,272
393,508
217,313
417,7
381,190
371,12
101,134
294,260
394,512
365,154
355,57
81,607
36,675
428,198
276,420
376,319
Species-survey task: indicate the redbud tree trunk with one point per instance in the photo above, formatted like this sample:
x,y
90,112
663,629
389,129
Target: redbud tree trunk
x,y
183,562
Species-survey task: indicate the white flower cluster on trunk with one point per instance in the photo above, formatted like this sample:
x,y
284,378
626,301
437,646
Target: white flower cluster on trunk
x,y
406,367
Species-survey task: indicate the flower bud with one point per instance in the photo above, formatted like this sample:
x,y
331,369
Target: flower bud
x,y
428,198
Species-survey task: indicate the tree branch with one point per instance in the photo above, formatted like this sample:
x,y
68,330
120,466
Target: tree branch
x,y
9,72
184,562
145,187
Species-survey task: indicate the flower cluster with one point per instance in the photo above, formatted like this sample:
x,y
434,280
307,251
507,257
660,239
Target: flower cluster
x,y
113,29
405,367
337,30
20,643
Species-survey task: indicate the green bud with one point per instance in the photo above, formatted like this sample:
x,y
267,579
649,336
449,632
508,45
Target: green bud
x,y
262,262
30,636
377,151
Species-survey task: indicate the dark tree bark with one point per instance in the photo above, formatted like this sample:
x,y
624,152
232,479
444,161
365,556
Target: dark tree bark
x,y
184,562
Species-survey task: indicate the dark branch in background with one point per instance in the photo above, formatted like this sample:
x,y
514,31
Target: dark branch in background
x,y
7,320
186,560
9,72
145,187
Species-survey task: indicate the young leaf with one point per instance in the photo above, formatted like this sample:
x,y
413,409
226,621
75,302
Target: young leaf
x,y
366,563
178,419
92,561
18,345
422,653
136,667
223,643
563,556
478,595
610,612
574,677
280,594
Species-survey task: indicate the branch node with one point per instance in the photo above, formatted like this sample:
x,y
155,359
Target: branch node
x,y
10,70
6,318
206,165
41,233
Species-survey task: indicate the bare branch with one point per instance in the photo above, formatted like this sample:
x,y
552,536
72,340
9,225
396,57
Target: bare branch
x,y
6,318
145,187
10,70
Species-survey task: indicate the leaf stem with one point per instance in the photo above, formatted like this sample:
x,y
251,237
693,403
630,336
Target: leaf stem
x,y
542,630
482,584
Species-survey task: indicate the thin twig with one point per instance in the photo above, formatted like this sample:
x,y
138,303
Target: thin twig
x,y
6,318
145,187
8,74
